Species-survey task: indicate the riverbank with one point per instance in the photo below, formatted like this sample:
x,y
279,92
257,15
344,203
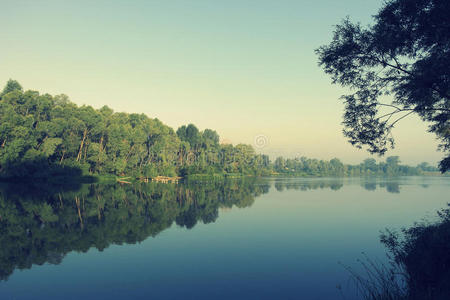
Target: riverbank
x,y
106,178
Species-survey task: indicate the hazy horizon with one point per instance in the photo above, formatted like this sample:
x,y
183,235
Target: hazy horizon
x,y
243,68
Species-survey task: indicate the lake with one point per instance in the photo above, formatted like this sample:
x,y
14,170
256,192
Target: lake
x,y
240,239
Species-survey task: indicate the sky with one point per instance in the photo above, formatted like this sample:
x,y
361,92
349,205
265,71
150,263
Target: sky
x,y
246,69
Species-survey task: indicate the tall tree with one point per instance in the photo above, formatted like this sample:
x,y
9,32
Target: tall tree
x,y
11,85
405,54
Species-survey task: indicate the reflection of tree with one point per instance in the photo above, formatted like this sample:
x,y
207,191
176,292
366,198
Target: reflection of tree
x,y
279,186
334,184
42,226
391,187
370,186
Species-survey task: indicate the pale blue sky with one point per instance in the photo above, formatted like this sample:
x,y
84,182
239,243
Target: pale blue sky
x,y
243,68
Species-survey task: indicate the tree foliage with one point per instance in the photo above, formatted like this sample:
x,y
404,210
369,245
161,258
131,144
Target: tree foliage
x,y
44,135
404,55
304,166
41,135
423,252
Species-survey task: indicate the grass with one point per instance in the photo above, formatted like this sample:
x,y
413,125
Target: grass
x,y
379,281
419,268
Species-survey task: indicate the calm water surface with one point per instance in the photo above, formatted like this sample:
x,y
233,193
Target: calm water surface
x,y
252,239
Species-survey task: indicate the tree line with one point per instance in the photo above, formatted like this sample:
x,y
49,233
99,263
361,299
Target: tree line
x,y
369,167
43,135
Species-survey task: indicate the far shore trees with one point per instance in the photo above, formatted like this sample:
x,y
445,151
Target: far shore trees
x,y
44,136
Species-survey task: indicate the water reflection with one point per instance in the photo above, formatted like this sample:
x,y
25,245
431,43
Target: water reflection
x,y
390,186
40,226
308,184
335,184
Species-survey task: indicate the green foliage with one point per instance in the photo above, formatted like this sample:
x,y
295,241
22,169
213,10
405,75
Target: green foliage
x,y
44,135
405,54
49,146
11,85
369,167
420,256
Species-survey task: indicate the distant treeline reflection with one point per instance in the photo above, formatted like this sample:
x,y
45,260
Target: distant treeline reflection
x,y
334,184
304,185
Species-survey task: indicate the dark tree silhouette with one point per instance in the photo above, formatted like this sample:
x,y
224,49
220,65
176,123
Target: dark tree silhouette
x,y
405,54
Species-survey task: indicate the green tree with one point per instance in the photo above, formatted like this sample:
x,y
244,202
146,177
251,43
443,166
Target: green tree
x,y
44,135
280,164
405,54
210,137
11,85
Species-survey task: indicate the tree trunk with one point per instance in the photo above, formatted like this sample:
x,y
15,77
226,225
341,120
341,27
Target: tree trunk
x,y
85,151
39,145
129,153
62,157
81,145
77,202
